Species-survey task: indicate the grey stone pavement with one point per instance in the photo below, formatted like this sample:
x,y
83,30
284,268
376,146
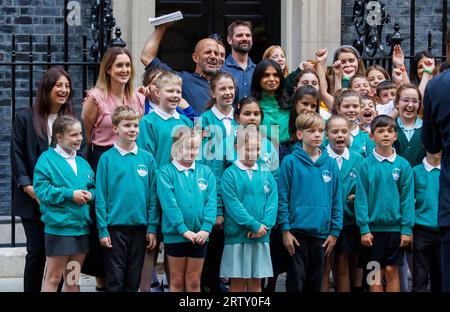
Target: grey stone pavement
x,y
87,283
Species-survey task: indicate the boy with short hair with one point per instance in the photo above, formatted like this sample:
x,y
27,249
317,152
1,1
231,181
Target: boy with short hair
x,y
125,204
310,205
157,127
386,92
384,205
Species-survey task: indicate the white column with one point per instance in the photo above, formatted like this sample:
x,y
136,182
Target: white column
x,y
307,25
132,18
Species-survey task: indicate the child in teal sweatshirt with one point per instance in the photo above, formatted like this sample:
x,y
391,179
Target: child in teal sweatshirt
x,y
427,242
187,193
64,184
347,246
384,206
310,205
156,128
251,199
126,204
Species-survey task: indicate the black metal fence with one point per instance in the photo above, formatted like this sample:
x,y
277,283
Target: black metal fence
x,y
85,74
369,36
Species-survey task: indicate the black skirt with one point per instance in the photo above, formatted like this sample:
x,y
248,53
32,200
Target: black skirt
x,y
65,245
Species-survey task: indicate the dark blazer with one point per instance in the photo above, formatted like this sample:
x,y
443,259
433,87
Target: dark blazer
x,y
26,147
436,136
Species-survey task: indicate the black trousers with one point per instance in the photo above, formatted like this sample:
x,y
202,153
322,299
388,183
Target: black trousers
x,y
211,268
445,252
123,262
305,267
426,260
35,258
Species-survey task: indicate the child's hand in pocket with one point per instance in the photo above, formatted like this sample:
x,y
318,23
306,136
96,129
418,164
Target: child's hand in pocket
x,y
106,242
351,197
201,237
189,235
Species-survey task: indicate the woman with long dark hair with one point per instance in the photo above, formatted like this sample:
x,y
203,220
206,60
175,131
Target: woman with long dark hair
x,y
30,137
267,88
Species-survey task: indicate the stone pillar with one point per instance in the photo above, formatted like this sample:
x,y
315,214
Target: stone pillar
x,y
132,18
307,25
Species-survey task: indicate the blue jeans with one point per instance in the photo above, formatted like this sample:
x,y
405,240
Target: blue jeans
x,y
445,256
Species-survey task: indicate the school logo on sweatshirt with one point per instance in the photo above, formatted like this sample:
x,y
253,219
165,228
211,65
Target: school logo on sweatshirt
x,y
202,184
90,176
326,176
142,170
266,187
396,173
267,158
353,174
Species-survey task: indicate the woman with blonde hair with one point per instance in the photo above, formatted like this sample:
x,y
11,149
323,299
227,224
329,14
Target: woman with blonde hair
x,y
114,88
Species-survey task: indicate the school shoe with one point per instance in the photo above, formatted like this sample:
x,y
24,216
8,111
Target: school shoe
x,y
164,287
224,285
156,287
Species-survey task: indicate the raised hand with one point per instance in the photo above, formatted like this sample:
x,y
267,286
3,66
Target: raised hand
x,y
321,55
398,58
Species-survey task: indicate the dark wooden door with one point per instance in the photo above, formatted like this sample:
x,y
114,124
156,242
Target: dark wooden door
x,y
204,17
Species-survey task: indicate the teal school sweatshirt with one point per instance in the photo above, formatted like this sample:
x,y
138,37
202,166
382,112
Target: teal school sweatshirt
x,y
385,196
248,204
126,193
310,195
187,202
54,183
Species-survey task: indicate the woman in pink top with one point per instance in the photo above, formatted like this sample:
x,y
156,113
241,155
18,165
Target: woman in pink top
x,y
114,88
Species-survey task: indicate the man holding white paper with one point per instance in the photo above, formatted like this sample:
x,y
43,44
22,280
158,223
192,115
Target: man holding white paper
x,y
196,89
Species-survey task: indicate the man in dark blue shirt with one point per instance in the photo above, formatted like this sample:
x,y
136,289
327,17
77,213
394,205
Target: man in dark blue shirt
x,y
436,138
196,90
238,63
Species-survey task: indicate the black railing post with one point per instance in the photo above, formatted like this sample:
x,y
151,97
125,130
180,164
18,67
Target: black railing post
x,y
66,37
49,51
412,29
30,79
429,41
444,29
84,78
13,116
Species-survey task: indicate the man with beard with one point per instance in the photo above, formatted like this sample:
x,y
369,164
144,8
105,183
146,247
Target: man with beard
x,y
238,63
196,90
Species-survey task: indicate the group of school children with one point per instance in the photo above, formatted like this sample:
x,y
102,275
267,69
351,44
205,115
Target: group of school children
x,y
347,194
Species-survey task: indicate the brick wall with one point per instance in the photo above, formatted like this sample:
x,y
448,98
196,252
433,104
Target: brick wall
x,y
428,15
39,18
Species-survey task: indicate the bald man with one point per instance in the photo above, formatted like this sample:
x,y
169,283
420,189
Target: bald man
x,y
195,85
